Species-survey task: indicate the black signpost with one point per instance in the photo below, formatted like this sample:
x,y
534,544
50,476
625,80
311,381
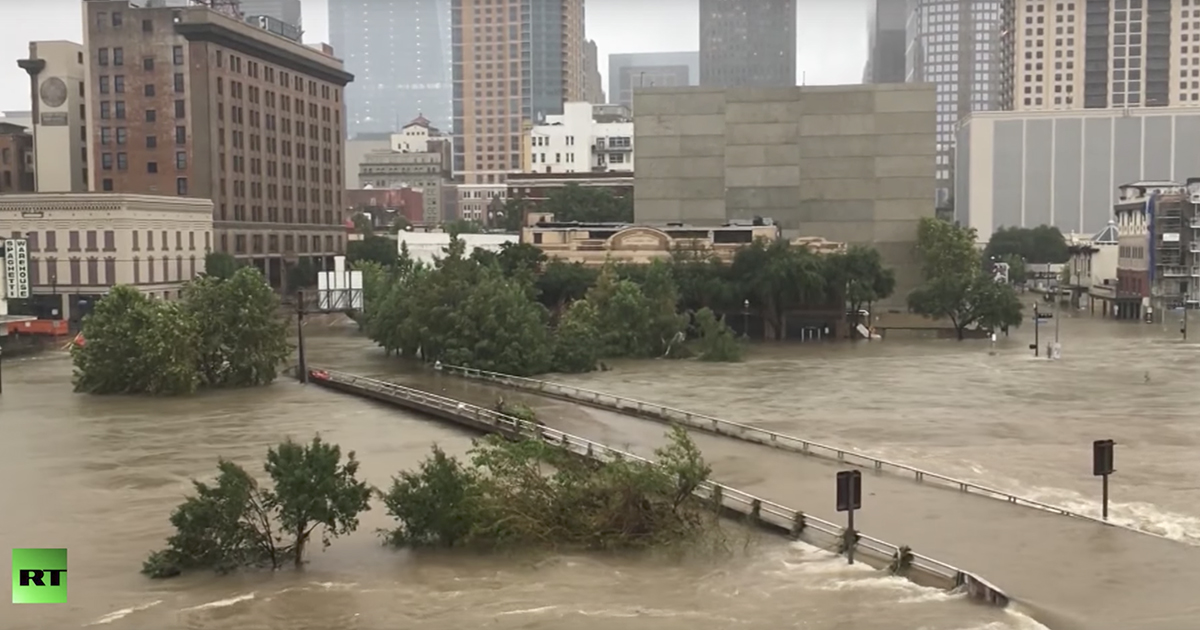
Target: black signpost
x,y
1102,466
849,498
1038,316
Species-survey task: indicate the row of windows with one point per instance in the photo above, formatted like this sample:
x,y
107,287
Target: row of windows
x,y
299,243
287,216
121,161
181,185
91,240
255,70
121,135
117,110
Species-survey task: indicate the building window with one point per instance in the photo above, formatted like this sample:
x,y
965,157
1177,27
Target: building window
x,y
151,115
110,271
110,241
180,110
102,56
122,135
105,110
119,110
181,186
104,85
148,89
151,167
118,56
119,84
151,142
106,161
147,26
179,83
93,271
106,185
181,135
116,19
73,270
181,160
122,161
148,63
177,55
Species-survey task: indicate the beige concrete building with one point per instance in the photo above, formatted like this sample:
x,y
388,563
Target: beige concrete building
x,y
854,164
510,67
81,244
596,244
57,86
417,158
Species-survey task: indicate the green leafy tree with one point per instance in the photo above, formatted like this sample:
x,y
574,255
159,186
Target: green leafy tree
x,y
314,489
462,226
136,345
1040,245
577,339
717,341
561,283
380,249
588,205
220,265
242,341
530,493
955,285
859,273
236,523
703,280
632,322
515,209
363,224
777,278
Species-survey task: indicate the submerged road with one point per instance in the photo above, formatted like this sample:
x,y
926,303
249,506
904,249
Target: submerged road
x,y
1070,573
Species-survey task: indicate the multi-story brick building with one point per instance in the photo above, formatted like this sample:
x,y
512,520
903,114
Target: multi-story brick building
x,y
16,159
191,102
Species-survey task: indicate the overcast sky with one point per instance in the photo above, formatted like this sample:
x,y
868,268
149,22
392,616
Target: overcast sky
x,y
831,34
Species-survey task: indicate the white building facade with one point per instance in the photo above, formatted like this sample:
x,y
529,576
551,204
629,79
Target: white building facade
x,y
427,247
57,75
579,141
83,244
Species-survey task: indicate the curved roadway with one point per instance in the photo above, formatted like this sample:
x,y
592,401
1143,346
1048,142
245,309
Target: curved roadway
x,y
1070,573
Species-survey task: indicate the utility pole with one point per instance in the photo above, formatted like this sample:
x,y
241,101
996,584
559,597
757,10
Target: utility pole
x,y
1037,325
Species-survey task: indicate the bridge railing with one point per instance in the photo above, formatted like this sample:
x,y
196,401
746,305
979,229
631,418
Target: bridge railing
x,y
744,502
750,434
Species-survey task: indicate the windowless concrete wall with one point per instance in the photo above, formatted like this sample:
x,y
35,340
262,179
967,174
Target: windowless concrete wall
x,y
1026,169
848,163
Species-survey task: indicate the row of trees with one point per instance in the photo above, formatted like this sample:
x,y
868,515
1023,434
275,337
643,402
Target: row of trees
x,y
518,312
220,333
573,203
507,494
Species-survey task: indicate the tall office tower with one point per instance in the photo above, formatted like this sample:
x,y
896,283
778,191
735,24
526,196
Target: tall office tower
x,y
1102,53
515,62
887,38
593,90
954,44
747,43
286,11
398,52
191,102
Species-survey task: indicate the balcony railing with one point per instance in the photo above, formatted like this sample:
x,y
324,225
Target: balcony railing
x,y
1195,222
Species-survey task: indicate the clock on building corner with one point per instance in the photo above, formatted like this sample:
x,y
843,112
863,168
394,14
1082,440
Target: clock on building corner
x,y
53,92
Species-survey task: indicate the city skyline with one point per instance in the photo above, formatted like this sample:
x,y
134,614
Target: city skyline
x,y
831,36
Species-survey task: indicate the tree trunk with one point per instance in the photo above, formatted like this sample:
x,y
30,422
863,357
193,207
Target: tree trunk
x,y
301,538
959,331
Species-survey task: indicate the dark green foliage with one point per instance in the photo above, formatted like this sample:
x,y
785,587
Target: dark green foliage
x,y
516,311
220,265
235,523
242,339
587,205
222,333
530,493
378,249
956,287
137,345
716,341
1044,244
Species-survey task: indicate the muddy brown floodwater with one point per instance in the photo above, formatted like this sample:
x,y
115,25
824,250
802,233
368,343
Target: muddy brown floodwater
x,y
101,475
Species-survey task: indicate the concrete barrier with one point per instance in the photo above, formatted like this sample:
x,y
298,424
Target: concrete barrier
x,y
753,510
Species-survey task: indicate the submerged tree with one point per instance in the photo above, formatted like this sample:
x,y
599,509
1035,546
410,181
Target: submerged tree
x,y
235,523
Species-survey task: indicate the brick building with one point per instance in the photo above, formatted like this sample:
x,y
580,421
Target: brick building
x,y
16,159
187,101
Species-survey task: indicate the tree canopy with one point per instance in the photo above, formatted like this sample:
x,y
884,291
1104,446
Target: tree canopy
x,y
530,493
1044,244
956,287
221,333
516,311
588,204
236,523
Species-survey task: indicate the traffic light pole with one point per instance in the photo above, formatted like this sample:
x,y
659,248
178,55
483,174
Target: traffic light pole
x,y
1037,327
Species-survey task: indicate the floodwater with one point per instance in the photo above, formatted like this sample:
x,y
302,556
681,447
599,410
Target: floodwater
x,y
100,476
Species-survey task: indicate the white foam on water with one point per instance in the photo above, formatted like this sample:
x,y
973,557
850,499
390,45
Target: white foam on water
x,y
527,611
121,614
335,586
1015,621
222,603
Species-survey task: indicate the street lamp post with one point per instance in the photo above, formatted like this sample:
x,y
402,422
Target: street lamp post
x,y
746,319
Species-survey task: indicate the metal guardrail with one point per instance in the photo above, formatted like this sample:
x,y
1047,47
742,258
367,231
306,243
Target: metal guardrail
x,y
756,435
779,515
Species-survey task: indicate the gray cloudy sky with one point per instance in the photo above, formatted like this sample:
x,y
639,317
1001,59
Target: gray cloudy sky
x,y
832,34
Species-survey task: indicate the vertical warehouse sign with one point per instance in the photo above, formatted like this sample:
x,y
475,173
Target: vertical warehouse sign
x,y
39,576
16,268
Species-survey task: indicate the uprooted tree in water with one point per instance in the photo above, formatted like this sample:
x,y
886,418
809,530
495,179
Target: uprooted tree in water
x,y
531,493
235,522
